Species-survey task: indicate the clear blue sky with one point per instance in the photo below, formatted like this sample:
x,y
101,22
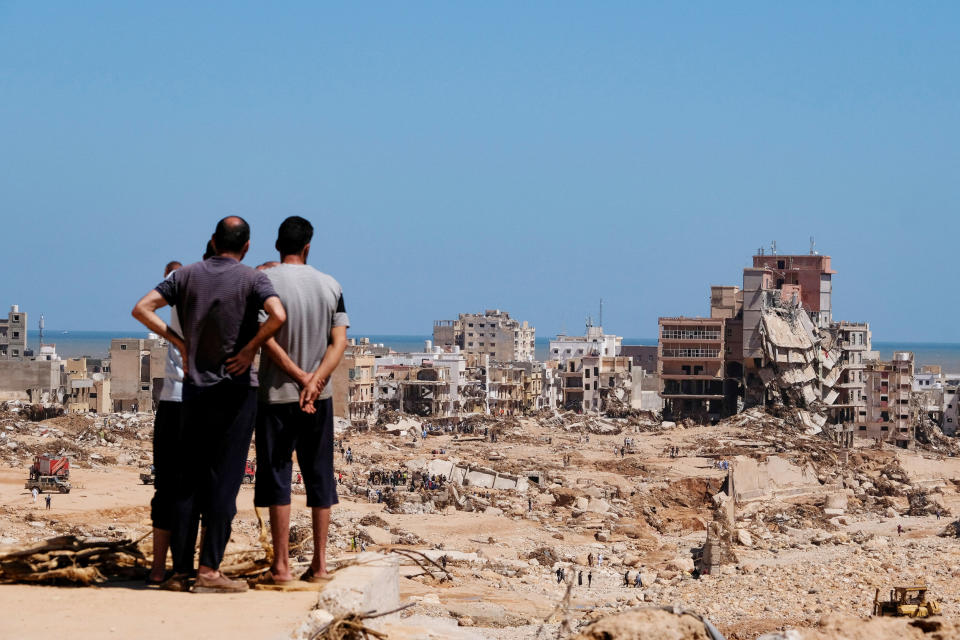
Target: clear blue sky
x,y
455,157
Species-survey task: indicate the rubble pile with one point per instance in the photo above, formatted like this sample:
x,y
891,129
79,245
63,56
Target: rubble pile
x,y
758,522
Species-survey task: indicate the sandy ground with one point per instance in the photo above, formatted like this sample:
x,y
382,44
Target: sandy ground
x,y
790,579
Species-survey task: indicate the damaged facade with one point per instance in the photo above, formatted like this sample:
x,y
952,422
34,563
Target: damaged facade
x,y
772,343
890,416
493,333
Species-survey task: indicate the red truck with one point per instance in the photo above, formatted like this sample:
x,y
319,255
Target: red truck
x,y
47,465
249,472
49,473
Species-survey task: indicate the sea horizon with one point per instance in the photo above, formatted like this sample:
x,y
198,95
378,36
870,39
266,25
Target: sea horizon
x,y
96,344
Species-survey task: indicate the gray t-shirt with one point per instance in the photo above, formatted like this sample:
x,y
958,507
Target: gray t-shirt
x,y
314,304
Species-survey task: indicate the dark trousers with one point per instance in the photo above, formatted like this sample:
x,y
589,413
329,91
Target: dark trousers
x,y
167,434
217,427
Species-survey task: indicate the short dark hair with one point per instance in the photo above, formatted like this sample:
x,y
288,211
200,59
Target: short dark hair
x,y
294,234
209,251
231,235
173,264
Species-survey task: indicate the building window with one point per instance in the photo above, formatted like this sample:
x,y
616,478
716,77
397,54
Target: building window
x,y
123,347
144,388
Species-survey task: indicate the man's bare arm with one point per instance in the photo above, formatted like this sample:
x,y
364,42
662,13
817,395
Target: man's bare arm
x,y
283,360
331,359
145,311
276,316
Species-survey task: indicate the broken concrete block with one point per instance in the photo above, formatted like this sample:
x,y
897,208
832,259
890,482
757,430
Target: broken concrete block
x,y
377,535
370,585
598,505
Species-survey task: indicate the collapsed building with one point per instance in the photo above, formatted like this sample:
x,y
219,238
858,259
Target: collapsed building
x,y
772,343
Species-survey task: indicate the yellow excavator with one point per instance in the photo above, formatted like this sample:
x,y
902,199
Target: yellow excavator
x,y
910,602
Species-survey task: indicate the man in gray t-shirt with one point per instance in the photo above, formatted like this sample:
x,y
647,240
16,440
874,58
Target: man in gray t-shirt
x,y
295,410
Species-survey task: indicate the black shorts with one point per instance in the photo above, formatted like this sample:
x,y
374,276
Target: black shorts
x,y
167,433
283,429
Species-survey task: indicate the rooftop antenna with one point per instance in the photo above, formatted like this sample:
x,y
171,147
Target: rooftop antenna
x,y
41,333
760,251
773,247
601,312
813,246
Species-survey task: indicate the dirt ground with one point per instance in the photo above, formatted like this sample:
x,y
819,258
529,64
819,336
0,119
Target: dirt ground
x,y
643,512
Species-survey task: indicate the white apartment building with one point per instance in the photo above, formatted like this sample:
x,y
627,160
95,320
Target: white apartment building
x,y
594,343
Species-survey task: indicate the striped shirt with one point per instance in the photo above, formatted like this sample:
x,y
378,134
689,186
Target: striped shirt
x,y
216,302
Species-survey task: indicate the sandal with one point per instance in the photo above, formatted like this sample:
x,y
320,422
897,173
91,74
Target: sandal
x,y
156,583
268,578
310,576
220,584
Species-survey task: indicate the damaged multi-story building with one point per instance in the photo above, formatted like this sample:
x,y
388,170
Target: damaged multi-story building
x,y
771,342
493,333
354,384
890,414
935,394
593,384
137,370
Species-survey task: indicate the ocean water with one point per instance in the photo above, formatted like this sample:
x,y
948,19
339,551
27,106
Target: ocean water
x,y
945,354
77,344
96,344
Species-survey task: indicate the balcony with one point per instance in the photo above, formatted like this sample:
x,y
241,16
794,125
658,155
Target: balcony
x,y
690,334
693,353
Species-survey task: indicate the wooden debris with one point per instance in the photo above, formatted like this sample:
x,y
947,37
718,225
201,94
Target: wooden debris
x,y
73,560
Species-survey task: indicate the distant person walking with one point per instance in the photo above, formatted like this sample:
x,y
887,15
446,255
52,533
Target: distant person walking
x,y
47,499
580,579
217,302
296,402
166,438
589,579
35,493
626,578
638,581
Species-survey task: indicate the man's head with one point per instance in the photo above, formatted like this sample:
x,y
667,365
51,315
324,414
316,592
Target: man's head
x,y
173,265
232,237
294,236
